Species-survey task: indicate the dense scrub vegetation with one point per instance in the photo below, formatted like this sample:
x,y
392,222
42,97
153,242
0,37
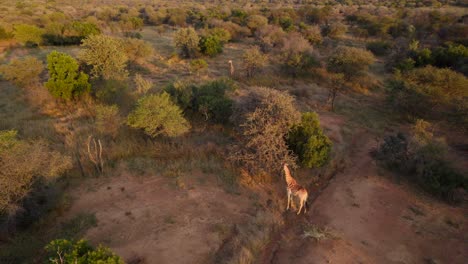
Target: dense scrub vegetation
x,y
134,85
421,157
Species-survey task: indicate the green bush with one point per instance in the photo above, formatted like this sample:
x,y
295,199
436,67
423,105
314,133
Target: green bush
x,y
65,81
187,41
211,101
308,142
65,251
379,48
421,158
198,66
182,93
208,99
157,115
211,45
29,35
352,62
429,92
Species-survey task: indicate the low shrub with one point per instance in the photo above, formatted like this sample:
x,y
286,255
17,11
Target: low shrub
x,y
379,48
308,142
421,159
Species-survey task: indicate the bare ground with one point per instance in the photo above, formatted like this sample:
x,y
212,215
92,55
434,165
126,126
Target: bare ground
x,y
149,218
373,219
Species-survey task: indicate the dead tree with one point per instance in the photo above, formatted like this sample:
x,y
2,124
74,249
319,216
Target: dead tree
x,y
95,154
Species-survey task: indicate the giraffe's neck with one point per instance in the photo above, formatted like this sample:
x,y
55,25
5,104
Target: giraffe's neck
x,y
289,179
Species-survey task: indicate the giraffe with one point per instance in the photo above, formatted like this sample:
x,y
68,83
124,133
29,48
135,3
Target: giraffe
x,y
294,189
232,68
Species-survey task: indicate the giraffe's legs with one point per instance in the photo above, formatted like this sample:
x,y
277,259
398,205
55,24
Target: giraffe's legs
x,y
300,207
289,198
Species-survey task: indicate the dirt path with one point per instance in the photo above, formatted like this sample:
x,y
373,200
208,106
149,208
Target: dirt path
x,y
374,220
148,219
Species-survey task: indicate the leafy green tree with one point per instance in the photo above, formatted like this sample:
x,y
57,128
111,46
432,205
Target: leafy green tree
x,y
157,115
182,93
308,142
430,92
211,45
84,29
222,34
81,252
22,72
351,62
211,101
187,41
65,80
106,55
28,34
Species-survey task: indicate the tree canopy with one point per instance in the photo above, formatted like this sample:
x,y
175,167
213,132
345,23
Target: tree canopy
x,y
106,55
157,115
65,79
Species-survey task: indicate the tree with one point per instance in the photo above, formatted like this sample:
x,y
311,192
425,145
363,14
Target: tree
x,y
421,157
22,72
106,55
24,163
64,251
269,37
351,62
187,40
253,60
137,49
108,120
211,45
211,101
157,115
335,30
222,34
336,85
308,142
264,117
29,35
296,54
430,92
65,80
312,34
256,21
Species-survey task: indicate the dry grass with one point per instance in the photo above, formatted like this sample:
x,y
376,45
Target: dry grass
x,y
317,233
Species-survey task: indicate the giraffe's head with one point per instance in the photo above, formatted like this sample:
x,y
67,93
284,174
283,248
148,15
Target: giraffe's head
x,y
230,61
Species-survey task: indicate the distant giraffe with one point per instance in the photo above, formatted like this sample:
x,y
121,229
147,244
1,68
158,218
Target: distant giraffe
x,y
232,68
295,189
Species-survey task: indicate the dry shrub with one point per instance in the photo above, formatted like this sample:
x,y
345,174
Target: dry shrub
x,y
24,163
264,117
